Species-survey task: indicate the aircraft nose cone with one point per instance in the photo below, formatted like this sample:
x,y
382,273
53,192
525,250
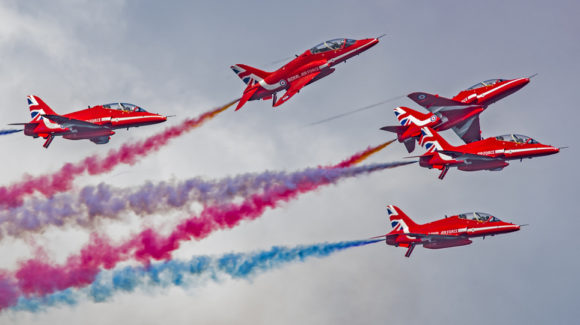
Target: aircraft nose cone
x,y
525,81
156,118
549,150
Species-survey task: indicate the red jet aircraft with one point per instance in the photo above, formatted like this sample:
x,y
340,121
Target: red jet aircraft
x,y
487,154
94,123
444,233
312,65
461,113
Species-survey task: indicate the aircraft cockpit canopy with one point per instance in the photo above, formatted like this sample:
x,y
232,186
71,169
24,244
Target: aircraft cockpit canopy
x,y
478,216
126,107
334,44
518,138
489,82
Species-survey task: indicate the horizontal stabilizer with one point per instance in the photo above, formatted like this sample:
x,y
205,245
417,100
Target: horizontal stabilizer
x,y
394,128
247,95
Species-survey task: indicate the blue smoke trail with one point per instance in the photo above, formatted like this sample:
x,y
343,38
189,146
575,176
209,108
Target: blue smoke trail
x,y
5,132
196,271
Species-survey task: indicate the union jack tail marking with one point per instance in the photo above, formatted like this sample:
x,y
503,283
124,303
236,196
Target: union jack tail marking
x,y
249,75
432,141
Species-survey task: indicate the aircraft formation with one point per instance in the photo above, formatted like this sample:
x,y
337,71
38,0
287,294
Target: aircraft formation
x,y
96,124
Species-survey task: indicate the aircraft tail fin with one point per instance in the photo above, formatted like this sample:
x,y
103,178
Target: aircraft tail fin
x,y
249,75
38,108
400,221
433,141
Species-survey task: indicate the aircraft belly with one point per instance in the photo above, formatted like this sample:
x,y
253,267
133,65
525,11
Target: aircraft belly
x,y
88,134
447,243
475,165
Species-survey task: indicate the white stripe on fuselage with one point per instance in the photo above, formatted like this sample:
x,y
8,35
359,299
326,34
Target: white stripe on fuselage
x,y
509,151
478,229
129,118
349,52
495,89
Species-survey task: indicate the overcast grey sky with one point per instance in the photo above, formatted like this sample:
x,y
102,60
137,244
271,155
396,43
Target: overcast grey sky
x,y
173,57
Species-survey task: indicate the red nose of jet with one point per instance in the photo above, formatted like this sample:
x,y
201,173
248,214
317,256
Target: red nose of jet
x,y
156,118
367,43
522,81
549,150
510,227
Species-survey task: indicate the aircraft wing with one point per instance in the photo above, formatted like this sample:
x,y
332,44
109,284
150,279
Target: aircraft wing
x,y
434,103
74,123
295,87
433,237
469,130
467,156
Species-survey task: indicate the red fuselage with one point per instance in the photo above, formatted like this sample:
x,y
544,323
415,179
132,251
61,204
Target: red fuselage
x,y
309,63
94,123
448,232
116,119
312,65
488,92
495,147
487,154
462,227
99,115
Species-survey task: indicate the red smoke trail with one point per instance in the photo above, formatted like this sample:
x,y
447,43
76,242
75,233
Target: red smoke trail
x,y
89,203
60,181
38,277
361,156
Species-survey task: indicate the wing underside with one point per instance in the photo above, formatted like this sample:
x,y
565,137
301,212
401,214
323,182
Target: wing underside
x,y
434,236
469,131
295,87
74,124
434,103
467,156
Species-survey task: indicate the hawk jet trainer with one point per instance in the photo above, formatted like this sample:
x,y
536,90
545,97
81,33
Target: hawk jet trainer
x,y
448,232
488,154
312,65
94,123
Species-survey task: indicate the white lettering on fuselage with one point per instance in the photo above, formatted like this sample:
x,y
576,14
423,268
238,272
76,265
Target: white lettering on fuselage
x,y
303,74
